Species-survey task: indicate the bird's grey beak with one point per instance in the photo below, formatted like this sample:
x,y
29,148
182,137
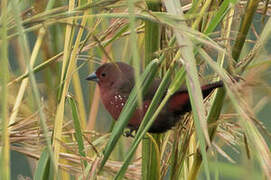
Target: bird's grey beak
x,y
92,77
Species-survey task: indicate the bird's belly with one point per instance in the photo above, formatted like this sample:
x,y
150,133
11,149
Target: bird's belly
x,y
115,104
138,115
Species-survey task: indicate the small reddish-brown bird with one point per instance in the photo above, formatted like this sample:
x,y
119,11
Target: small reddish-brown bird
x,y
116,81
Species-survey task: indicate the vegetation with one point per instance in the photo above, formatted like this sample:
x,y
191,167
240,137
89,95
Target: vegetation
x,y
52,116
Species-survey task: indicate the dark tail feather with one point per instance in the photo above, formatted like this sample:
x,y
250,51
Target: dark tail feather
x,y
207,89
179,102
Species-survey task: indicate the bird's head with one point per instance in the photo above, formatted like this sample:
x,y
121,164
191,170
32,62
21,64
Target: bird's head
x,y
112,75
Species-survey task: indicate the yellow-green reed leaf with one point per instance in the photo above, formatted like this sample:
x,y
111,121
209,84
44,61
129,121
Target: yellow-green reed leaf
x,y
77,127
151,160
203,9
214,112
80,100
157,17
193,85
67,68
152,32
75,78
42,170
96,4
4,77
133,43
129,108
176,83
50,4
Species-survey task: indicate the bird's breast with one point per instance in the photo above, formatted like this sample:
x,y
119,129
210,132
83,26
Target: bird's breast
x,y
114,104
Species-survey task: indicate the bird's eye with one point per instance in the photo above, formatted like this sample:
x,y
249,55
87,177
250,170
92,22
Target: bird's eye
x,y
103,74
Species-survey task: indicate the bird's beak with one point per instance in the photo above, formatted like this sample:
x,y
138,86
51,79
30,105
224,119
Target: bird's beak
x,y
92,77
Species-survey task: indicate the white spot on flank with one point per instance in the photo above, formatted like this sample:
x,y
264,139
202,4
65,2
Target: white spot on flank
x,y
122,104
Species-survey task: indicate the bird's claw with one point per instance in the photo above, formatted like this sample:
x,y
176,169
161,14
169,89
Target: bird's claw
x,y
129,133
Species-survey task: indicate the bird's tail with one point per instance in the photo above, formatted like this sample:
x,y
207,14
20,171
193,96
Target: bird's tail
x,y
208,88
179,102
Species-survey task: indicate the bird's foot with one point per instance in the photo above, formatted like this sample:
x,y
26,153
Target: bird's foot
x,y
130,133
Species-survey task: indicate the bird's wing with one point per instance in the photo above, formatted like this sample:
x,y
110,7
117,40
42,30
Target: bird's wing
x,y
152,89
179,102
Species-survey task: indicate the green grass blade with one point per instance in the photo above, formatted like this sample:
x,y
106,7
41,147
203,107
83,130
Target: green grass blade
x,y
77,127
42,170
152,33
215,111
219,15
